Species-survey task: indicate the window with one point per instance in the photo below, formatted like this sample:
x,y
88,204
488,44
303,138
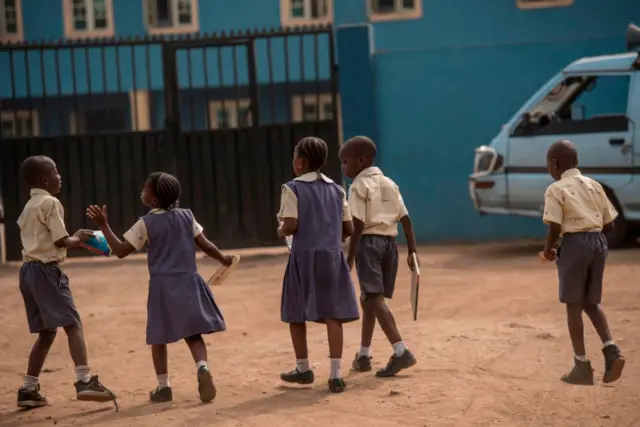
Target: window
x,y
88,18
10,20
171,16
230,114
19,124
98,121
301,12
580,104
387,10
537,4
312,107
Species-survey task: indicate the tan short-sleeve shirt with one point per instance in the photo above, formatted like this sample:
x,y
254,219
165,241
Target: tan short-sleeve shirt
x,y
41,225
137,234
577,203
289,201
376,200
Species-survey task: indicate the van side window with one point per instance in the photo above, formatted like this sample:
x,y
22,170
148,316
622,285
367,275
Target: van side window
x,y
608,96
578,105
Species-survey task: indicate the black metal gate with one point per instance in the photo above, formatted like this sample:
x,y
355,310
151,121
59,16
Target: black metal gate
x,y
223,112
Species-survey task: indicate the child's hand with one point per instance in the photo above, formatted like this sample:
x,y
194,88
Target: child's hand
x,y
83,235
97,214
547,254
281,232
410,261
227,260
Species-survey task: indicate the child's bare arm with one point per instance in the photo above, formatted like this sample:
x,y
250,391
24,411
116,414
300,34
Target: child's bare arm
x,y
118,247
553,216
212,250
347,229
288,227
358,229
407,227
99,217
75,241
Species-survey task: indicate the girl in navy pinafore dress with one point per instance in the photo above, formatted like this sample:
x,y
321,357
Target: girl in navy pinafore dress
x,y
317,285
180,304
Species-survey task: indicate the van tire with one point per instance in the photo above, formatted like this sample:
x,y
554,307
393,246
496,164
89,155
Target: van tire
x,y
618,237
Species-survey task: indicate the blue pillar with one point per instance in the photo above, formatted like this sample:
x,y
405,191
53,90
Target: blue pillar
x,y
354,42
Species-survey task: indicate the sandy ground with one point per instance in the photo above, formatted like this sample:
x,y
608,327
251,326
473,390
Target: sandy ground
x,y
491,344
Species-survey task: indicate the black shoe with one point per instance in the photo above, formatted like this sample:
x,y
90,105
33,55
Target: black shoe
x,y
297,377
337,385
581,374
160,395
613,363
205,385
361,363
94,391
397,364
31,398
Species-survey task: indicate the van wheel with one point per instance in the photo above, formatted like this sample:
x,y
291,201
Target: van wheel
x,y
617,238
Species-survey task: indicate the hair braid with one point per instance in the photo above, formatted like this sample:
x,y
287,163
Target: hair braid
x,y
166,189
315,151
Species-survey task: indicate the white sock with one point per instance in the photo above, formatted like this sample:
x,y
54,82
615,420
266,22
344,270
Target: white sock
x,y
30,382
608,343
399,348
365,351
335,369
582,358
302,365
163,381
82,374
202,363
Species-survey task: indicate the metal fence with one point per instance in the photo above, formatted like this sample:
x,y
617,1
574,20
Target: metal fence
x,y
223,112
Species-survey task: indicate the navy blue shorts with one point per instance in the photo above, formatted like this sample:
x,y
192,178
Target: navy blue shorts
x,y
47,297
377,265
581,260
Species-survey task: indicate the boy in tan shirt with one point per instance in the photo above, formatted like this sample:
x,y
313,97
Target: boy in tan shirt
x,y
578,210
44,286
376,207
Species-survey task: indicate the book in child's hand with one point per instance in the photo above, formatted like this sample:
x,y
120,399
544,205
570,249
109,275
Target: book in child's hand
x,y
97,244
223,272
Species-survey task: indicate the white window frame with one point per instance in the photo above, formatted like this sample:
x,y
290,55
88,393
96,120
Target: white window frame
x,y
176,28
540,4
70,30
4,36
286,20
312,98
399,15
22,114
233,106
299,101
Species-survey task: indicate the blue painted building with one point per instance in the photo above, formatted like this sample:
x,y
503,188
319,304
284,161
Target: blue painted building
x,y
429,79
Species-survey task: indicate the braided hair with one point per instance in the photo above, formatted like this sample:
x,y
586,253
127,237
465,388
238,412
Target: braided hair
x,y
166,188
315,151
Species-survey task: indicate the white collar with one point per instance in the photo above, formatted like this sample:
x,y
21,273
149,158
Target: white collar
x,y
313,176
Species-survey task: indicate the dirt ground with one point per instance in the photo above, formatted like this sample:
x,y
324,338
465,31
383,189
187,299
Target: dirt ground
x,y
490,339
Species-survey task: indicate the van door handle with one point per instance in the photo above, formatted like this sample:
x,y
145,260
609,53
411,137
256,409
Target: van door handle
x,y
616,141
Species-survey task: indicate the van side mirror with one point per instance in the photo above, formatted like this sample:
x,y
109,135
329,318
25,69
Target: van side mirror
x,y
633,37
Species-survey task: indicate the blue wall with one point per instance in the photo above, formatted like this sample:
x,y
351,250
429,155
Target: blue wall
x,y
429,90
445,83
